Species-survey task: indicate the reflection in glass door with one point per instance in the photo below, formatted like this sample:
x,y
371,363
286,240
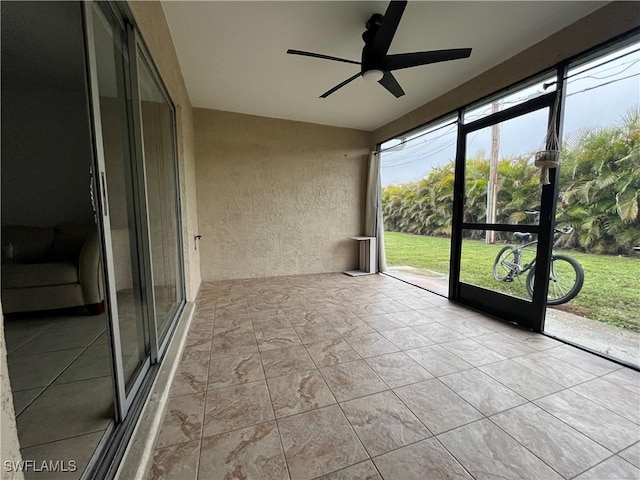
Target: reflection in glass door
x,y
501,213
121,212
158,147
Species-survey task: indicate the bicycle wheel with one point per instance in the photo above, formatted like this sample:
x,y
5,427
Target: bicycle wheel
x,y
505,265
565,280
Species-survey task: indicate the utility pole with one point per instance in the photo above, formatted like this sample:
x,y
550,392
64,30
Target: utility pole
x,y
492,185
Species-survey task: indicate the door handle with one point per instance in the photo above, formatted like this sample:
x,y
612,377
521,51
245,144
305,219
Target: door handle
x,y
92,195
104,194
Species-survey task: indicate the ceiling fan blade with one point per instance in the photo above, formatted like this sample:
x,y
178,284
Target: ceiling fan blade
x,y
387,30
319,55
340,85
406,60
390,83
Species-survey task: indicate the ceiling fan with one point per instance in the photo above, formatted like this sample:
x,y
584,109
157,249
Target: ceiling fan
x,y
376,65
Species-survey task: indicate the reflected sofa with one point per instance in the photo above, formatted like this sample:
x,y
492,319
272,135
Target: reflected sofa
x,y
48,268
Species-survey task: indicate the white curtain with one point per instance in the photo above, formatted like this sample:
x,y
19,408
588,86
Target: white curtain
x,y
373,224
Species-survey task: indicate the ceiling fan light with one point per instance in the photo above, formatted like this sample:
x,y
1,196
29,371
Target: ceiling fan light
x,y
372,76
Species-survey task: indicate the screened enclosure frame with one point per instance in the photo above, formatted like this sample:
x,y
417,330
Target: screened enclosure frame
x,y
471,295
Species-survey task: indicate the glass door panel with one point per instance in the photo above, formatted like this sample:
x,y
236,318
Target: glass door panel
x,y
502,184
502,267
598,188
121,215
162,197
417,178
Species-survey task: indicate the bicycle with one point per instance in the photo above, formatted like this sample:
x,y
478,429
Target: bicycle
x,y
566,275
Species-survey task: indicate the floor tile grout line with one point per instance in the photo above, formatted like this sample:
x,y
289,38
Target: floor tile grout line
x,y
453,456
13,355
199,459
204,403
599,463
372,394
284,456
560,361
52,382
353,431
416,415
53,324
64,439
615,452
598,403
370,459
12,351
275,420
591,356
155,444
524,446
513,390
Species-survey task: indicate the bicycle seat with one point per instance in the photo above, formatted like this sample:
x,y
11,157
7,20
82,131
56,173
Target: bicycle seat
x,y
522,236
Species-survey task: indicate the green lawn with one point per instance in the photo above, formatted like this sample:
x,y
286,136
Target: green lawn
x,y
611,291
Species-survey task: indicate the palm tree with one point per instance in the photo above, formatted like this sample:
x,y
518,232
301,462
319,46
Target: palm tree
x,y
600,187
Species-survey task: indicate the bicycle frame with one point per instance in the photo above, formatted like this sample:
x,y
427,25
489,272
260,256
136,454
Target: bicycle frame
x,y
517,267
517,252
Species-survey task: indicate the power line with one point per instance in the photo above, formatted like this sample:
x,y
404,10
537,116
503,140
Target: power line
x,y
422,156
601,64
603,84
606,76
454,122
415,149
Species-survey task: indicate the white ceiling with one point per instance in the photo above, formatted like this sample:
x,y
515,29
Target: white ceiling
x,y
233,54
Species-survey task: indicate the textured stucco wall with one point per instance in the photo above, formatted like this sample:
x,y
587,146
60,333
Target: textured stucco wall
x,y
9,445
606,23
277,197
152,23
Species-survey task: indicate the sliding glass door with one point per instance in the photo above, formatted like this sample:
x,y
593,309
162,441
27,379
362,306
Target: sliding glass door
x,y
121,211
137,192
160,172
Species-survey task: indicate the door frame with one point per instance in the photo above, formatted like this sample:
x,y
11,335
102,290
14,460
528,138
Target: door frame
x,y
528,314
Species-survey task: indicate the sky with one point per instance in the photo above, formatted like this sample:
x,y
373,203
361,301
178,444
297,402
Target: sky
x,y
597,96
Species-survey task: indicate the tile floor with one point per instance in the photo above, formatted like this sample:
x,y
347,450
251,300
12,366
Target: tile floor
x,y
59,367
333,377
60,371
601,337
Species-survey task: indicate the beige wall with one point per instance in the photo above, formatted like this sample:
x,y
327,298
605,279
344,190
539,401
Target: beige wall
x,y
604,24
277,197
10,450
152,23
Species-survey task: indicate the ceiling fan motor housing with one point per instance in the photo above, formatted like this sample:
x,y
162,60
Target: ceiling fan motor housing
x,y
370,60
